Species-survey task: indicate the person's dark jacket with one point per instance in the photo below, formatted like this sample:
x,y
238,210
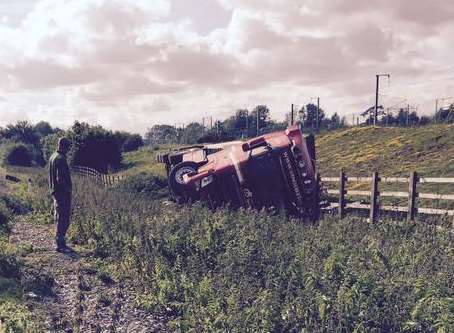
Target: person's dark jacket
x,y
59,174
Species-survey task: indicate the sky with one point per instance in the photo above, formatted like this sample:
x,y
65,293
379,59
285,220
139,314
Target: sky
x,y
131,64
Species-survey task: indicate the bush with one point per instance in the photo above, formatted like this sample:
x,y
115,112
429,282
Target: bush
x,y
36,155
17,154
16,318
15,205
132,143
94,147
146,184
5,215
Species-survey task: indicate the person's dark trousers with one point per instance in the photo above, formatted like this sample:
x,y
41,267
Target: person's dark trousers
x,y
62,212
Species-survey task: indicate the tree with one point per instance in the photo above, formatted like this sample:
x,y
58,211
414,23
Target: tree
x,y
127,141
22,131
401,119
43,128
133,142
237,123
335,122
263,118
159,134
192,133
93,146
308,116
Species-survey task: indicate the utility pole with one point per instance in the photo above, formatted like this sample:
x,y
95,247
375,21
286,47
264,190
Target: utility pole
x,y
436,110
377,86
291,116
247,123
258,119
408,113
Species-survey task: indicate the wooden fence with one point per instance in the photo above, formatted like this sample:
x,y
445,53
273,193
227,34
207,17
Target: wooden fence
x,y
101,178
374,194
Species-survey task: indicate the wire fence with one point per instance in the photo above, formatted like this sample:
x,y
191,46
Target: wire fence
x,y
98,177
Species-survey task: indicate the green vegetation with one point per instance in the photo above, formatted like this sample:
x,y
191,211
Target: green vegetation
x,y
16,154
144,160
248,271
390,150
144,184
24,144
14,315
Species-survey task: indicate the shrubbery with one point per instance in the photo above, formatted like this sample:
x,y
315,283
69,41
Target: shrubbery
x,y
8,263
93,146
132,143
16,154
153,187
247,271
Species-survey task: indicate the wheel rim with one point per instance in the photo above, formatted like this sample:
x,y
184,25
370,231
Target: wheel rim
x,y
181,172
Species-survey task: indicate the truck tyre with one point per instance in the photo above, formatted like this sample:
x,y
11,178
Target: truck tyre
x,y
178,190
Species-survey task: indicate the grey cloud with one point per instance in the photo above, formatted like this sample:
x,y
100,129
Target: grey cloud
x,y
124,51
38,74
198,67
370,42
125,88
426,13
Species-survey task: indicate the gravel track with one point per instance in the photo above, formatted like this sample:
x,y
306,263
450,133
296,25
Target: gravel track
x,y
69,295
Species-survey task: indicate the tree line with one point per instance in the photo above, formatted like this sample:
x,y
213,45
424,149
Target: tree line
x,y
249,123
243,124
26,144
406,117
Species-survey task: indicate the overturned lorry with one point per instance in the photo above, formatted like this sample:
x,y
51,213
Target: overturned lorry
x,y
275,171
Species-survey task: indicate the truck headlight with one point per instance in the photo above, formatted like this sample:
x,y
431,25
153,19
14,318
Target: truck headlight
x,y
206,180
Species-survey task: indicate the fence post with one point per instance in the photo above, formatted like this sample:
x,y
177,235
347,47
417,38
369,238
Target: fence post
x,y
342,180
412,194
374,198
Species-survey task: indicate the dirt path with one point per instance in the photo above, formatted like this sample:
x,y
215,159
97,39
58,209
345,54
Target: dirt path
x,y
70,294
3,186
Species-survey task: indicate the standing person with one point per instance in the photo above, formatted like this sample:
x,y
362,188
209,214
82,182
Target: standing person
x,y
60,187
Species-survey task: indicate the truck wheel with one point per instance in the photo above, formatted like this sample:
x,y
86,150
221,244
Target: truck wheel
x,y
178,189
